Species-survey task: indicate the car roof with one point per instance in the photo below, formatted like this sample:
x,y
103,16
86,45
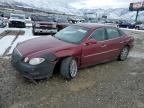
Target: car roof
x,y
93,25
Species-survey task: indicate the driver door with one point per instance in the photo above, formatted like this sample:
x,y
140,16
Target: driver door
x,y
95,52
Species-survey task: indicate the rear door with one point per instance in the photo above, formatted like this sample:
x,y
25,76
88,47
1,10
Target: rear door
x,y
115,42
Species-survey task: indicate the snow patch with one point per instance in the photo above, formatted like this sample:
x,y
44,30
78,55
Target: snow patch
x,y
5,43
19,40
132,30
137,55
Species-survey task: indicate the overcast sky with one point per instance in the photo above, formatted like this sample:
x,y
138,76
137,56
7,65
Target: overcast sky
x,y
78,4
102,3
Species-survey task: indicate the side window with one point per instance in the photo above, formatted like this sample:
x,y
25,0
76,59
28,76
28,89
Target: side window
x,y
121,32
112,33
99,35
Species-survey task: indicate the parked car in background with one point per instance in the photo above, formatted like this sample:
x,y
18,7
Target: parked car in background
x,y
127,24
73,47
139,27
62,23
17,21
44,24
28,22
2,23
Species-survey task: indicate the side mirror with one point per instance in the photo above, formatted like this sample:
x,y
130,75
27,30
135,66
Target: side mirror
x,y
90,42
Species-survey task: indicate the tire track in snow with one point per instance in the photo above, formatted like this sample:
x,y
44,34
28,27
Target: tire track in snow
x,y
8,49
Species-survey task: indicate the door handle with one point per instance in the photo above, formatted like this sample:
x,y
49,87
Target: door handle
x,y
86,44
103,46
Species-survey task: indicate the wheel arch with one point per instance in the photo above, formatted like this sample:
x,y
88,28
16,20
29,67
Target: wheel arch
x,y
58,63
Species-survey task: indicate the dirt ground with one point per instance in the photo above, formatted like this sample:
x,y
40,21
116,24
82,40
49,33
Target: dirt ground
x,y
115,84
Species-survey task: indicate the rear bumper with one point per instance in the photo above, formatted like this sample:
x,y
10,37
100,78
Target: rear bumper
x,y
40,30
40,71
16,24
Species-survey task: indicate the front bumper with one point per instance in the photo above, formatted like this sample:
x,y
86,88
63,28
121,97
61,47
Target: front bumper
x,y
39,30
41,71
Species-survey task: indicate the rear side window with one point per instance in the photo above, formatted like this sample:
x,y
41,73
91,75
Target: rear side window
x,y
121,32
99,35
113,33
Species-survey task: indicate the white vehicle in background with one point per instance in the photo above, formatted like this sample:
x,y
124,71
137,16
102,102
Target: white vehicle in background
x,y
140,27
2,23
17,21
28,22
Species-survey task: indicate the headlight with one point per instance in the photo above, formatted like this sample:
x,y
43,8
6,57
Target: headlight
x,y
37,25
26,59
36,61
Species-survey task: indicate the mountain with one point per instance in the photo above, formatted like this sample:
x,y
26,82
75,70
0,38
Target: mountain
x,y
52,5
62,6
118,13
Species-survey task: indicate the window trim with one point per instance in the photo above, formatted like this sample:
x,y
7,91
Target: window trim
x,y
115,37
106,38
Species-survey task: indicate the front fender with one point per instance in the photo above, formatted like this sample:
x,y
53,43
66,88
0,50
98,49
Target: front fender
x,y
76,53
64,53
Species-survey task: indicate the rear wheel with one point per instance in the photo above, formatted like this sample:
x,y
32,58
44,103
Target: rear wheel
x,y
9,25
137,28
69,68
34,33
124,53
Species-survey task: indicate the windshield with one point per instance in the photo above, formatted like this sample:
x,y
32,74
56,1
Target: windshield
x,y
43,18
62,20
72,34
17,17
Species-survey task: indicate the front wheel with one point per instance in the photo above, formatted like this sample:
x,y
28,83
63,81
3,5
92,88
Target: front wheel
x,y
137,28
69,68
124,53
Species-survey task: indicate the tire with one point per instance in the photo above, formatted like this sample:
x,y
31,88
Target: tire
x,y
69,68
124,53
9,25
34,33
137,28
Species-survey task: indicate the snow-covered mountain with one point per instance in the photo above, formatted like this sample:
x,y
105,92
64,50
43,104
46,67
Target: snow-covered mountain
x,y
54,5
64,7
118,13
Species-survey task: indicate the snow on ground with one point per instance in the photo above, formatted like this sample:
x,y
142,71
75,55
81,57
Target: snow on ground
x,y
2,30
5,43
28,35
137,55
132,30
28,32
19,40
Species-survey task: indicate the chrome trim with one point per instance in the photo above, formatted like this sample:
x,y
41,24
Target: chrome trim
x,y
101,53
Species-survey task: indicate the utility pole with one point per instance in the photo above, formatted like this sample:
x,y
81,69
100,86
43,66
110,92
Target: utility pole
x,y
137,15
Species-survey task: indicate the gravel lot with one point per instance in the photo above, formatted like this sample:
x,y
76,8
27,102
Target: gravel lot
x,y
111,85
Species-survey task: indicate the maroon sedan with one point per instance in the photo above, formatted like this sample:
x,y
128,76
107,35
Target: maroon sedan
x,y
74,47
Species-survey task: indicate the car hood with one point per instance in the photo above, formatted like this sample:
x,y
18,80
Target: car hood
x,y
42,45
